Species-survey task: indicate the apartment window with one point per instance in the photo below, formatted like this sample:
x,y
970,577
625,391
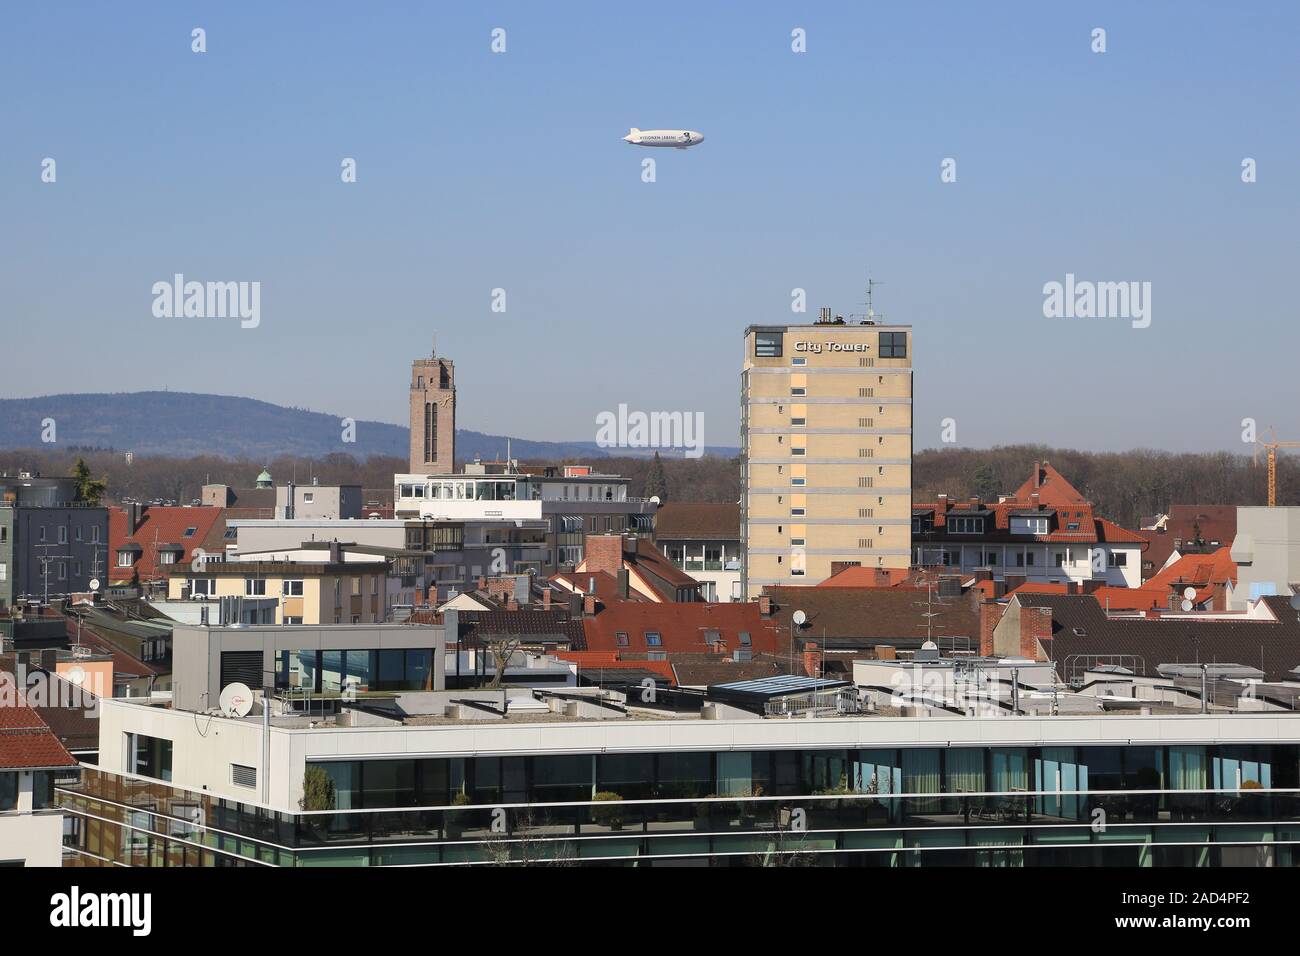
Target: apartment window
x,y
866,512
125,559
656,656
309,497
42,535
796,572
796,542
1118,559
653,639
797,512
798,361
893,345
1059,559
798,390
799,482
798,452
63,535
63,570
711,637
206,586
767,344
149,756
189,532
965,525
620,638
255,587
866,393
866,453
94,535
1072,526
4,571
798,422
78,532
866,482
166,557
292,589
866,423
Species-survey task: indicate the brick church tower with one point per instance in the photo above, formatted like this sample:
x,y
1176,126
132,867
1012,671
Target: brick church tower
x,y
433,415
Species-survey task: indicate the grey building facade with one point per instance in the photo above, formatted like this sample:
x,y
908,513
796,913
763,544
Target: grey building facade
x,y
314,660
51,545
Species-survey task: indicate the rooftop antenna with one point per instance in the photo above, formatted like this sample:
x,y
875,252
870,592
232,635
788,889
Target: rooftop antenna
x,y
871,287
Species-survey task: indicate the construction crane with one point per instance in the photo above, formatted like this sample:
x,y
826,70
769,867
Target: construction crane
x,y
1272,447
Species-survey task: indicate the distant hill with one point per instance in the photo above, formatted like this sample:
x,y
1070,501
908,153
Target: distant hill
x,y
185,424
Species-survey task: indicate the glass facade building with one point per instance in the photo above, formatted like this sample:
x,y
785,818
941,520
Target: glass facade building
x,y
1211,804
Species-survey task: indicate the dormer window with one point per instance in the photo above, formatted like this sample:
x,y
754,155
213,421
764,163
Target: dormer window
x,y
1032,524
965,525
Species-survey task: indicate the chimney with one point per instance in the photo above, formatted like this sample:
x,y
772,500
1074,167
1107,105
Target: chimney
x,y
1034,502
134,513
512,604
589,604
482,583
1035,626
990,615
812,660
604,552
765,606
886,652
546,599
623,583
1038,474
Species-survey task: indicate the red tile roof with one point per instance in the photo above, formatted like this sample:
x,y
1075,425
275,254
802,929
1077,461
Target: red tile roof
x,y
681,627
1213,525
599,660
26,741
1071,516
1052,489
159,525
1203,573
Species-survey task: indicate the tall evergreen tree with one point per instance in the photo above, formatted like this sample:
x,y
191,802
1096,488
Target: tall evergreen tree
x,y
656,482
89,488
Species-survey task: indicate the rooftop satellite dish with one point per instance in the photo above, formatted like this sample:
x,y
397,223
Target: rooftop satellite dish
x,y
1186,605
654,500
1189,593
94,584
236,700
929,646
75,675
799,618
1295,601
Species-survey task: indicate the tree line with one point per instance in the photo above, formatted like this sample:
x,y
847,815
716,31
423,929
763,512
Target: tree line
x,y
1124,486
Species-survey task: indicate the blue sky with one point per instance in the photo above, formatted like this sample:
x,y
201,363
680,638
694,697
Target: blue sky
x,y
479,171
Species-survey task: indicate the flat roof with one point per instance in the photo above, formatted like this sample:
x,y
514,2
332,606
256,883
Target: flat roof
x,y
846,324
